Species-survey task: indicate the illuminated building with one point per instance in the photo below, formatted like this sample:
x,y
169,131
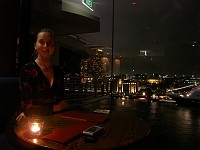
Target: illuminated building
x,y
106,65
126,86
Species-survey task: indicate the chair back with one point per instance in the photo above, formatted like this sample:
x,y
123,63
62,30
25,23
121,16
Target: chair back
x,y
9,99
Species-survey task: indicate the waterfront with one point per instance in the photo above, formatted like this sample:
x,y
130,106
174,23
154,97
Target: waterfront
x,y
171,126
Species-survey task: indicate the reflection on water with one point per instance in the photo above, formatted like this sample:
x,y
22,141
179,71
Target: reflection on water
x,y
172,126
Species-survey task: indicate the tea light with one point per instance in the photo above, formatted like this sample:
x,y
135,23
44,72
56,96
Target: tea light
x,y
35,126
35,141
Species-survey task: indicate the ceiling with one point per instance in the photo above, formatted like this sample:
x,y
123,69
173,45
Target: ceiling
x,y
64,19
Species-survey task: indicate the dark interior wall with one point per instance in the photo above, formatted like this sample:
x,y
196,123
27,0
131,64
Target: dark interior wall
x,y
9,17
14,35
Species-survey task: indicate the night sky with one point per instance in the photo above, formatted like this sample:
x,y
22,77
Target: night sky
x,y
168,29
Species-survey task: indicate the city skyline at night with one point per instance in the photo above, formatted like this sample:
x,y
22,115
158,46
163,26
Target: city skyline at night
x,y
168,29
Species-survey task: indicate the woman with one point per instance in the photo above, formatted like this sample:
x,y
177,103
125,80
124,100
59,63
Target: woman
x,y
42,82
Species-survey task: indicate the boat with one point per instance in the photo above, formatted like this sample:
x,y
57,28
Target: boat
x,y
166,99
191,98
137,95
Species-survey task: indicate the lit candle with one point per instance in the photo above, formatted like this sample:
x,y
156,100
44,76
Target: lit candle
x,y
35,140
35,127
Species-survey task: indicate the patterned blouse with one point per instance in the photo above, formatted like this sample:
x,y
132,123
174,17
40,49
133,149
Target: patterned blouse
x,y
37,97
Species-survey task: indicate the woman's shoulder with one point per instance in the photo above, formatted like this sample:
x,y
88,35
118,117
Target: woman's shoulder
x,y
57,68
58,71
29,68
29,64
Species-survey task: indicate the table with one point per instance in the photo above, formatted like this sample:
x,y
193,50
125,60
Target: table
x,y
121,128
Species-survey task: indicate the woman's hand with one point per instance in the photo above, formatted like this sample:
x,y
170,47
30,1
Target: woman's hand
x,y
62,105
20,117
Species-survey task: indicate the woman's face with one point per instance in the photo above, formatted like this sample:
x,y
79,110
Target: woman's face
x,y
45,45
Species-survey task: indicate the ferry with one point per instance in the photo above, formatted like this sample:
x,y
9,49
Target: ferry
x,y
192,98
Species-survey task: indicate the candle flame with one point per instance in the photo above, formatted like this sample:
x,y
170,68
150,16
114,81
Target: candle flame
x,y
35,127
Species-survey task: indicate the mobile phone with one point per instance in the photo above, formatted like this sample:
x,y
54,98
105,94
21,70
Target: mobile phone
x,y
92,131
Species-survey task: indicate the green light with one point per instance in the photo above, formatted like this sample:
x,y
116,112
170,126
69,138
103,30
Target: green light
x,y
88,4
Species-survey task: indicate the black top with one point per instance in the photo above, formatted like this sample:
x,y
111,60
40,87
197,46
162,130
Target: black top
x,y
35,92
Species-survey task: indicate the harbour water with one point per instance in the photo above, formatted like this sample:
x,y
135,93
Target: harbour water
x,y
172,126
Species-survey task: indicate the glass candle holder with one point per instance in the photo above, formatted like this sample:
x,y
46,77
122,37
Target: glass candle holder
x,y
36,126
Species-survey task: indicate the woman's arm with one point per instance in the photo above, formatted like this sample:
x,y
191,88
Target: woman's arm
x,y
62,105
62,102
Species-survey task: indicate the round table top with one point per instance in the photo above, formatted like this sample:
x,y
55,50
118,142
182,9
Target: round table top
x,y
122,128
